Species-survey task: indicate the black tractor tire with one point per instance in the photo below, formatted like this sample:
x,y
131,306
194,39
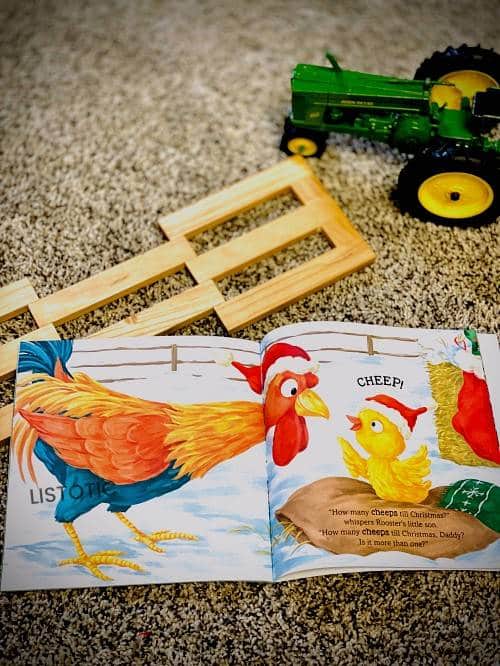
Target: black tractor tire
x,y
464,57
313,140
471,198
475,58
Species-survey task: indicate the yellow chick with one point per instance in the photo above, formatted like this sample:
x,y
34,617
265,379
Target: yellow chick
x,y
391,479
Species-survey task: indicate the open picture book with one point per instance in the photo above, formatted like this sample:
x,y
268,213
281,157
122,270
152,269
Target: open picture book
x,y
326,448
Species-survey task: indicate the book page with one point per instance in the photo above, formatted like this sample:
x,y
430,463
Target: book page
x,y
402,472
111,485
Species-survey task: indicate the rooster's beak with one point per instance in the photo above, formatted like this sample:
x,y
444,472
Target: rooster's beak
x,y
356,423
309,403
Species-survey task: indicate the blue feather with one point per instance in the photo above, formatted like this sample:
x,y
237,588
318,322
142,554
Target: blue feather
x,y
42,356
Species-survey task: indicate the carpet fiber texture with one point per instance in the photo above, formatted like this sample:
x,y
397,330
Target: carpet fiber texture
x,y
113,113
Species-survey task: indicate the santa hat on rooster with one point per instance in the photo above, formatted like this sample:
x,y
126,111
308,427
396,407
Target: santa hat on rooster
x,y
401,415
277,358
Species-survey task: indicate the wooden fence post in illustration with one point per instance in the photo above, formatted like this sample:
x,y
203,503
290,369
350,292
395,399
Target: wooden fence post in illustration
x,y
173,361
369,340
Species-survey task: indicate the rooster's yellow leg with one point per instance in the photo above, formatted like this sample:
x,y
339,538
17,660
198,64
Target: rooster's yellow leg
x,y
150,539
93,561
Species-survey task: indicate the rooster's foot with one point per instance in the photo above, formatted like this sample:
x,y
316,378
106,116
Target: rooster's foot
x,y
162,535
93,561
150,540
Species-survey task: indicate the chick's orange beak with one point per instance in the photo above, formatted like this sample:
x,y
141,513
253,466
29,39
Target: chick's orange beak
x,y
309,403
356,422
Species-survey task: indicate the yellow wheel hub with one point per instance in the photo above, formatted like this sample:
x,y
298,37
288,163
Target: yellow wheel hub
x,y
302,146
467,83
455,195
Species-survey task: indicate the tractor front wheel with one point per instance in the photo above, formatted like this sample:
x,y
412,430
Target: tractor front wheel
x,y
458,189
297,141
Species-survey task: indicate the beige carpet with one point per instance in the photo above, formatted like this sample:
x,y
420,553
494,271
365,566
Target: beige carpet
x,y
113,113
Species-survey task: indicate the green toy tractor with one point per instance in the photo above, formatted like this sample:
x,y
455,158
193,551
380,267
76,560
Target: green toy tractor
x,y
439,117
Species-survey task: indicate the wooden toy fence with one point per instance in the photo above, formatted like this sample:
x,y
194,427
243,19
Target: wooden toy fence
x,y
319,212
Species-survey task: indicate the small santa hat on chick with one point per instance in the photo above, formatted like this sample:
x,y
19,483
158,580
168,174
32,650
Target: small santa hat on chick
x,y
277,358
403,416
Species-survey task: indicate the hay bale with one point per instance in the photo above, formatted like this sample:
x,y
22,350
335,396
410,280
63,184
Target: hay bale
x,y
446,381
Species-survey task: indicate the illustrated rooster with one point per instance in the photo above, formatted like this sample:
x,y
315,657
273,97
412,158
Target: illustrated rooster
x,y
88,436
381,432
